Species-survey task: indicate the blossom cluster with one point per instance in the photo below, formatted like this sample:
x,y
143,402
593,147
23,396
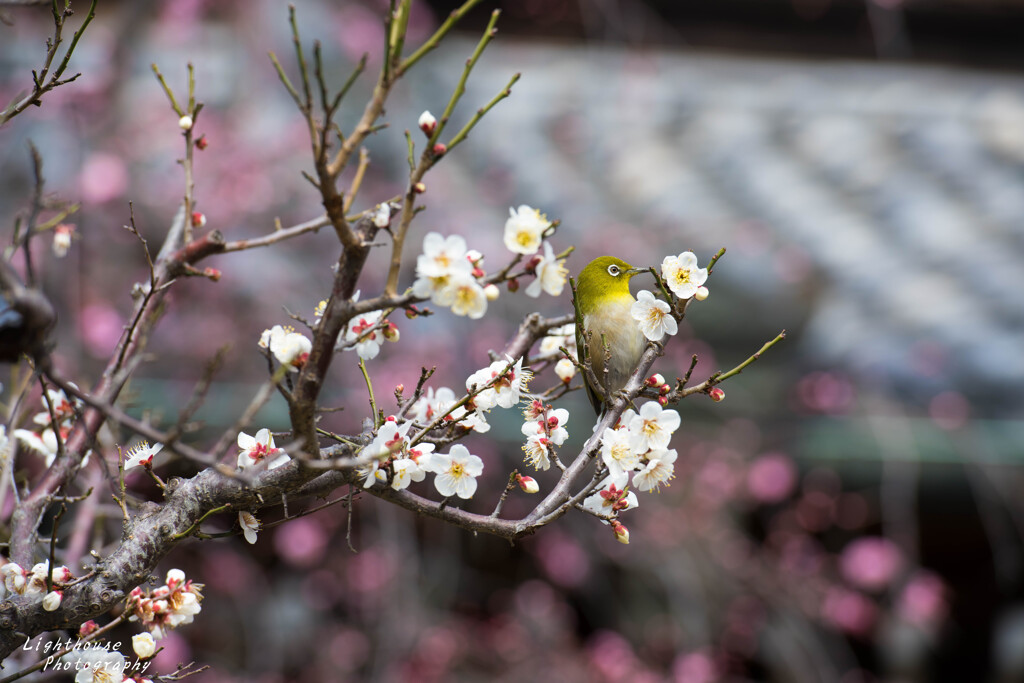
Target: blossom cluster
x,y
685,280
15,580
289,347
525,231
544,428
637,446
166,607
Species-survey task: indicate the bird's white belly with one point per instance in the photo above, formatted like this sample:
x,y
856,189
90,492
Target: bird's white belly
x,y
624,339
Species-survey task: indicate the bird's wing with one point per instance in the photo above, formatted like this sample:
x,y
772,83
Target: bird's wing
x,y
581,354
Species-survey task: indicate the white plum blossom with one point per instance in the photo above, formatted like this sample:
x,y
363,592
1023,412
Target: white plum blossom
x,y
475,420
652,428
260,447
44,443
524,230
565,369
617,453
654,316
443,260
14,577
464,295
559,337
538,451
390,439
141,454
456,472
611,497
432,404
63,408
288,346
682,275
551,274
98,665
406,470
250,527
659,468
550,424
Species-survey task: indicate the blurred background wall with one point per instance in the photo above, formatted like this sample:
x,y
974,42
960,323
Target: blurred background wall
x,y
852,512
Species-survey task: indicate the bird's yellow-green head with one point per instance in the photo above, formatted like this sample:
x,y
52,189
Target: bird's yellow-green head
x,y
604,280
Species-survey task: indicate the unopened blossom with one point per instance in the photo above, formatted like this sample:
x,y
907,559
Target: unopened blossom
x,y
250,527
381,215
288,346
143,645
260,447
174,578
717,394
443,259
457,471
185,122
141,454
701,293
658,469
14,577
62,239
654,316
565,369
611,497
617,452
464,295
52,600
527,484
427,123
621,532
652,428
682,275
491,292
524,230
551,274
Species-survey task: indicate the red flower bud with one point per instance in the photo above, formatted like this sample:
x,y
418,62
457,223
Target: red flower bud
x,y
212,273
202,142
198,219
419,188
663,401
513,285
717,394
439,149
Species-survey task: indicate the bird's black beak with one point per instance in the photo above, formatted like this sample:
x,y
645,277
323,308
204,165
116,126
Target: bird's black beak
x,y
636,271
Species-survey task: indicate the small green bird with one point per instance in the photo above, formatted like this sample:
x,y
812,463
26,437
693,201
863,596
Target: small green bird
x,y
602,306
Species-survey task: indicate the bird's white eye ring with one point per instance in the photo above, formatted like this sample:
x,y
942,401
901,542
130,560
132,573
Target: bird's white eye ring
x,y
613,270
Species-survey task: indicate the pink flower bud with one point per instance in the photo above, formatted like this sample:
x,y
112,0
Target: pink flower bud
x,y
440,149
88,628
478,272
399,388
202,142
663,401
527,484
655,380
717,394
419,188
621,532
212,273
198,219
390,332
665,388
513,285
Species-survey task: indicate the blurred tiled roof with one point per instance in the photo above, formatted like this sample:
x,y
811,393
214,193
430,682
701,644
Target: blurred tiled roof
x,y
896,193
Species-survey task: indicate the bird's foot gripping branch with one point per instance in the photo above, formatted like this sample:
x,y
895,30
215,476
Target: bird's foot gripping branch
x,y
94,497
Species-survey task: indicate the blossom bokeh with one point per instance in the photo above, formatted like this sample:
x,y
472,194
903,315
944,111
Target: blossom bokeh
x,y
847,513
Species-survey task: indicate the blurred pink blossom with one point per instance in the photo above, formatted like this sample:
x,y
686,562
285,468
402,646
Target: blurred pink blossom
x,y
612,655
174,650
100,326
923,600
849,611
871,563
771,478
371,570
302,543
103,178
949,410
695,667
563,560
